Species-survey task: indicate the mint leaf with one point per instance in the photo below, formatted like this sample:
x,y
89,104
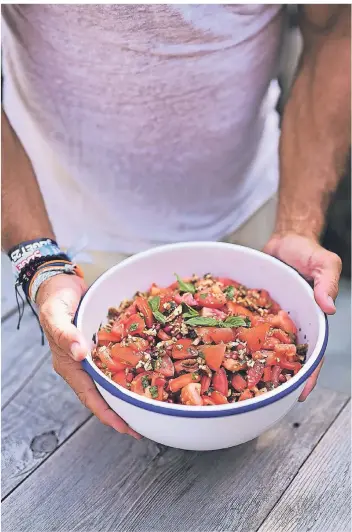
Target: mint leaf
x,y
202,322
145,381
248,322
185,287
229,291
188,312
153,391
159,317
133,327
154,303
234,321
203,296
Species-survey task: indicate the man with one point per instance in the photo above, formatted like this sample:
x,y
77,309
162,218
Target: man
x,y
142,125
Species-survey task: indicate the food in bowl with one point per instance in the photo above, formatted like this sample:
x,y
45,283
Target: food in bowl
x,y
202,341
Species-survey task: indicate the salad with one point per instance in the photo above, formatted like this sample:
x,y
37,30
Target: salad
x,y
201,341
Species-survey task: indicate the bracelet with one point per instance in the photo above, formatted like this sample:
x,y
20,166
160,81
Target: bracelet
x,y
48,270
30,250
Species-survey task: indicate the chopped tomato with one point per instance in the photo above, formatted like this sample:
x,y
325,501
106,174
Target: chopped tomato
x,y
163,335
272,359
190,395
283,321
255,374
141,382
181,349
120,378
135,325
234,365
218,398
275,374
282,336
189,364
286,351
166,367
225,334
205,383
238,310
274,307
254,336
176,384
125,354
144,308
219,382
138,344
247,394
214,355
108,361
158,379
207,298
105,336
239,382
270,343
207,401
203,333
267,374
213,313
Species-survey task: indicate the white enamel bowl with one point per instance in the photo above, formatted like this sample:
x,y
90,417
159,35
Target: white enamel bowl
x,y
216,427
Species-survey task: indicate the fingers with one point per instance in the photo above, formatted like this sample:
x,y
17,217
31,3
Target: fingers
x,y
311,382
326,281
87,393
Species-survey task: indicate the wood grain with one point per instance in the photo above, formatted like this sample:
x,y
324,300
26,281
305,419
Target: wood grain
x,y
21,353
319,498
36,421
100,480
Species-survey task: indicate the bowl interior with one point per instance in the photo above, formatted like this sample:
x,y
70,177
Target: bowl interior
x,y
252,268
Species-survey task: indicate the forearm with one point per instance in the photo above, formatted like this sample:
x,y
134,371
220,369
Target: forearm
x,y
24,215
315,133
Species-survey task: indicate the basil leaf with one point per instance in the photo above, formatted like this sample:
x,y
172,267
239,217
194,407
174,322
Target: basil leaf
x,y
185,287
229,292
188,312
202,322
133,327
159,317
154,303
234,321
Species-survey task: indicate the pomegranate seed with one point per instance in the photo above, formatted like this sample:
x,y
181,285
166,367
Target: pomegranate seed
x,y
150,339
282,378
157,326
167,328
179,336
234,356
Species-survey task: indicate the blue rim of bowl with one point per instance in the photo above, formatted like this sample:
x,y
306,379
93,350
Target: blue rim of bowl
x,y
208,412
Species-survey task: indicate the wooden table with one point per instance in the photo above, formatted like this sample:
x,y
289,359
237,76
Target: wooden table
x,y
64,471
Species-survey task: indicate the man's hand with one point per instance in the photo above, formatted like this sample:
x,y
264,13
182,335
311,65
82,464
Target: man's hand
x,y
316,264
58,299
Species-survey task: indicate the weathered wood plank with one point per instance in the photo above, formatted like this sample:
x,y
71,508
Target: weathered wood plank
x,y
8,299
38,419
21,353
319,498
100,480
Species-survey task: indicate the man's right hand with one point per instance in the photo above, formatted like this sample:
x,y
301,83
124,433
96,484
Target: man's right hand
x,y
57,300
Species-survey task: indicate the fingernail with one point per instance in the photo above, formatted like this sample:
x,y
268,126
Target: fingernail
x,y
331,302
76,351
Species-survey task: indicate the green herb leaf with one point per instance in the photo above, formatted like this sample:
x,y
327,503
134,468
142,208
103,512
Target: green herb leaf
x,y
202,322
159,317
234,321
185,287
188,312
133,326
153,391
145,381
248,321
203,296
154,303
230,292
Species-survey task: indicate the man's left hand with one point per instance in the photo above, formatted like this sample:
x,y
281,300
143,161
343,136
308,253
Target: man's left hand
x,y
316,264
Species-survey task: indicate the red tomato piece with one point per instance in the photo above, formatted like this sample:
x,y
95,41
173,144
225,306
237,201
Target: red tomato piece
x,y
205,383
287,351
282,336
283,321
140,379
214,355
275,374
218,398
254,336
272,359
238,310
190,395
166,366
138,344
270,343
163,335
222,334
189,364
124,354
180,350
187,298
158,379
207,298
239,382
234,365
255,374
177,384
219,382
144,308
247,394
107,337
108,361
207,401
267,374
203,333
120,378
135,325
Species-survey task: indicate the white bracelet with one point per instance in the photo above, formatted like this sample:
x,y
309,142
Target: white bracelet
x,y
44,276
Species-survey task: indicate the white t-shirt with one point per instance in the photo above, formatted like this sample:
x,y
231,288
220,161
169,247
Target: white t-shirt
x,y
145,124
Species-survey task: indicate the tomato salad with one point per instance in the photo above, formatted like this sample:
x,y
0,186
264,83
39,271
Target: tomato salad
x,y
201,341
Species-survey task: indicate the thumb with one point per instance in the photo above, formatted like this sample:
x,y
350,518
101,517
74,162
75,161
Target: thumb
x,y
58,300
326,279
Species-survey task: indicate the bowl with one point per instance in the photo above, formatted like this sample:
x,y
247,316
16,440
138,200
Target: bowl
x,y
215,427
